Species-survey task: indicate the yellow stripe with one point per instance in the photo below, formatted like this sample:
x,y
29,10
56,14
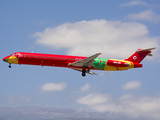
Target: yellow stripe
x,y
13,60
112,68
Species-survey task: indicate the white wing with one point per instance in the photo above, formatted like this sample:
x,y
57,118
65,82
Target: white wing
x,y
87,62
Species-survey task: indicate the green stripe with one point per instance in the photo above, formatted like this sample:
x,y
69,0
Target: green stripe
x,y
100,63
6,60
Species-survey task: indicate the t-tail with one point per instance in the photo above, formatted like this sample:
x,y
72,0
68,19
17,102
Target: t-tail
x,y
139,55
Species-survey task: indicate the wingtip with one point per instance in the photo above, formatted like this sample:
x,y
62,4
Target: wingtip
x,y
154,48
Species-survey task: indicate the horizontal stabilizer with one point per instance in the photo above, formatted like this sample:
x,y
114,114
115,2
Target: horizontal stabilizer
x,y
145,50
149,54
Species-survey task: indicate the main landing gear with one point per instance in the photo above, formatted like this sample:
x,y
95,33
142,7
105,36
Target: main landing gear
x,y
9,66
83,72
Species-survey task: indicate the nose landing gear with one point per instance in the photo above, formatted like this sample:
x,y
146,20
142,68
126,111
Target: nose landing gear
x,y
9,66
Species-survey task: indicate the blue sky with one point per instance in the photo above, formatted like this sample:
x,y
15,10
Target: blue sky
x,y
114,28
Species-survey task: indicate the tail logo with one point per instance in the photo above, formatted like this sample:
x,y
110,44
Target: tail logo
x,y
134,57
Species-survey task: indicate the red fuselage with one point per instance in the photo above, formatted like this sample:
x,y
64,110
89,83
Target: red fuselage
x,y
43,59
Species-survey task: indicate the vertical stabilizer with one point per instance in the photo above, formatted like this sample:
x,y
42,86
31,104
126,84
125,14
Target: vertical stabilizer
x,y
139,55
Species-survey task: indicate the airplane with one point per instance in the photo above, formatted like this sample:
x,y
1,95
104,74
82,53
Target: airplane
x,y
79,63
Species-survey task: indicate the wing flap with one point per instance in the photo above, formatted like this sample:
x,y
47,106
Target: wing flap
x,y
87,71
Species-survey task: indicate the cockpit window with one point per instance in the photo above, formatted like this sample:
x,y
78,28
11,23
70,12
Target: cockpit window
x,y
12,54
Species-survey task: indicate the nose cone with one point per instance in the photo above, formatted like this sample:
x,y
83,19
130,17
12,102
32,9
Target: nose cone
x,y
5,59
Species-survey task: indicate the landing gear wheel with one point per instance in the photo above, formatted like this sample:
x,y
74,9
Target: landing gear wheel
x,y
83,72
9,66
